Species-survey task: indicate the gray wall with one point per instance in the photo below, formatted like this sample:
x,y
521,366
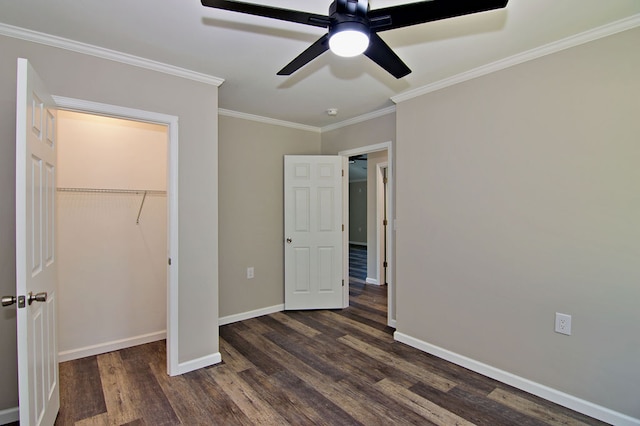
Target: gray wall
x,y
74,75
252,210
518,198
358,212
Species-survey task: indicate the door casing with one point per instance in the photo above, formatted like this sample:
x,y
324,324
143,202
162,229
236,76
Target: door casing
x,y
78,105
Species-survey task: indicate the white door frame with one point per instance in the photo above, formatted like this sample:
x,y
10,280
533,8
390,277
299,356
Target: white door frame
x,y
380,212
385,146
171,122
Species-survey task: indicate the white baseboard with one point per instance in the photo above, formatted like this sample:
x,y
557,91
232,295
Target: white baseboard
x,y
195,364
372,281
550,394
251,314
9,415
111,346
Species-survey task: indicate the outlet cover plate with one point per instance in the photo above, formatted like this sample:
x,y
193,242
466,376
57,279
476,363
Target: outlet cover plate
x,y
563,324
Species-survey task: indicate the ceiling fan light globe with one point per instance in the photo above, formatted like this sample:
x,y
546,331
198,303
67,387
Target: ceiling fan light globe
x,y
348,43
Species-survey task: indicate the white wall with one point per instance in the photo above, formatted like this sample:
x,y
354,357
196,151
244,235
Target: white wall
x,y
112,281
518,197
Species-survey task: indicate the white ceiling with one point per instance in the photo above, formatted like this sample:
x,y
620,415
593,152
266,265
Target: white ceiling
x,y
247,51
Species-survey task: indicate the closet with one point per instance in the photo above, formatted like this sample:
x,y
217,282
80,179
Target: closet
x,y
111,233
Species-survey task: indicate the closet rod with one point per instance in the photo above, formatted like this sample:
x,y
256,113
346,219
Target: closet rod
x,y
113,191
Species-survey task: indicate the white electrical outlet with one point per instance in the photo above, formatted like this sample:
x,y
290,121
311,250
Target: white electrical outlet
x,y
563,324
250,272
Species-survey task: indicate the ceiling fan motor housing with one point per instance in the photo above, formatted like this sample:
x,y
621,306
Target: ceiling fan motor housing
x,y
350,7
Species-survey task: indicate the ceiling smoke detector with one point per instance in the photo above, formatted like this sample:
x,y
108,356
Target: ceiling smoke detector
x,y
332,112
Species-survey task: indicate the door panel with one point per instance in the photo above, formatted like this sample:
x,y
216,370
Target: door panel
x,y
313,232
35,249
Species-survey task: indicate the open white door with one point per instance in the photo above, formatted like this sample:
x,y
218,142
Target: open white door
x,y
35,250
313,232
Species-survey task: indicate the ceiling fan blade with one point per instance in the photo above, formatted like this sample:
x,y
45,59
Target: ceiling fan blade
x,y
316,49
380,53
427,11
270,12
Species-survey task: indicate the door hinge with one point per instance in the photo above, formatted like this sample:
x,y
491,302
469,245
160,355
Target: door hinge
x,y
384,264
342,172
343,227
384,222
384,180
169,262
342,283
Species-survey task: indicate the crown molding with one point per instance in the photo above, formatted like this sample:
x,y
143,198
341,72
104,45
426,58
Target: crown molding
x,y
566,43
360,118
267,120
112,55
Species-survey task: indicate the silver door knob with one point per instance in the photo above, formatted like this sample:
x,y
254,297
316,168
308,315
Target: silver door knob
x,y
8,300
289,240
38,297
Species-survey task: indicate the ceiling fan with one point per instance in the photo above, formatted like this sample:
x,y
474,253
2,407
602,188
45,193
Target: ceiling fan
x,y
353,28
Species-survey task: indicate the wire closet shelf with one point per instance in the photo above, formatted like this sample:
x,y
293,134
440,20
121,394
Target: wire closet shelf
x,y
144,193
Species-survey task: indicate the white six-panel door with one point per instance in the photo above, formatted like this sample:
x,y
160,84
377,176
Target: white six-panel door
x,y
35,250
313,232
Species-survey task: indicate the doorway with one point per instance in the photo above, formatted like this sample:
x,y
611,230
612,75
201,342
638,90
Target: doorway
x,y
377,244
357,220
170,124
111,233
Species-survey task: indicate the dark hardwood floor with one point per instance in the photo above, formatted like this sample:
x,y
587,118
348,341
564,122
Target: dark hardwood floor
x,y
301,368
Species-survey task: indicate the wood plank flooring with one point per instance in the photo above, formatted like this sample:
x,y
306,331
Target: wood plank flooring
x,y
301,368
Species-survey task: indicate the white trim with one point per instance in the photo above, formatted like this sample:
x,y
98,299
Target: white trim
x,y
171,122
250,314
81,105
381,211
366,150
267,120
360,118
173,263
566,43
345,231
198,363
550,394
100,52
9,415
372,281
114,345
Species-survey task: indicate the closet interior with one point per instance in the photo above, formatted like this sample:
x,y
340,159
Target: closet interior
x,y
111,233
